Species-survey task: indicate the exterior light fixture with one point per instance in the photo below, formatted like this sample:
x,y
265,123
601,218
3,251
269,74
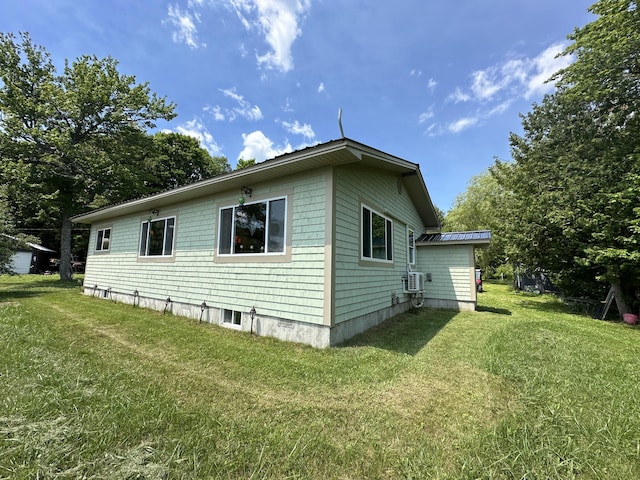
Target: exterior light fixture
x,y
252,314
203,307
152,212
245,191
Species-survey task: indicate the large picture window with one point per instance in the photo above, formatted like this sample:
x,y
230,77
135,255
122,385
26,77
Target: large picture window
x,y
157,237
253,228
377,236
103,238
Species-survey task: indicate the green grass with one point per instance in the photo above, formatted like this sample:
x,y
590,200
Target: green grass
x,y
520,389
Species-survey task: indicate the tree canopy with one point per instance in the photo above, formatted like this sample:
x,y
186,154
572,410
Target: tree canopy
x,y
175,160
481,207
575,197
78,139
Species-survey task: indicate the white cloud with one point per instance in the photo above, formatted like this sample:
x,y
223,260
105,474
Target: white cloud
x,y
260,148
305,130
184,25
321,87
526,77
415,73
216,111
432,84
426,115
243,109
498,86
459,96
544,66
498,109
287,106
278,21
486,83
196,129
462,124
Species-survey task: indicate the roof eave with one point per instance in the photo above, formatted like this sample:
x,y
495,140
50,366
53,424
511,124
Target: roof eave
x,y
333,153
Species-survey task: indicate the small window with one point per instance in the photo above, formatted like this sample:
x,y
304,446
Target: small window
x,y
231,318
411,246
253,228
156,238
103,238
377,235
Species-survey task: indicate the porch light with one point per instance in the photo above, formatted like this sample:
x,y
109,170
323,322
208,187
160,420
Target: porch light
x,y
203,307
244,191
252,314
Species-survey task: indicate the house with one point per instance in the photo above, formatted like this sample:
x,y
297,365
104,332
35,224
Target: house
x,y
313,246
29,257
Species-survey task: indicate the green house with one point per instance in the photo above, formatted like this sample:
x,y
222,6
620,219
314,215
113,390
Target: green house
x,y
313,246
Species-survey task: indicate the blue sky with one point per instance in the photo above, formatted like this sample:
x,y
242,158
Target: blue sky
x,y
439,83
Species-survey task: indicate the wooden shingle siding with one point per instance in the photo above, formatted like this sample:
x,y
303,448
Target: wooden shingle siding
x,y
289,289
450,268
365,287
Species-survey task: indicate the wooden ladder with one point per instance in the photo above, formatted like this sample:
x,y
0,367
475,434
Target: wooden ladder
x,y
603,309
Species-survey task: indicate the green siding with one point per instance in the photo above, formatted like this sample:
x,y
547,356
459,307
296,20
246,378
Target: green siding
x,y
450,270
290,289
360,288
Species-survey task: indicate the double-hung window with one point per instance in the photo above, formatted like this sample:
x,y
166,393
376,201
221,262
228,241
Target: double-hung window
x,y
377,236
253,228
157,237
103,238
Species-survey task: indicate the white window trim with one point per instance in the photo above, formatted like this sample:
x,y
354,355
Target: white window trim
x,y
164,238
231,325
255,254
387,219
411,235
103,250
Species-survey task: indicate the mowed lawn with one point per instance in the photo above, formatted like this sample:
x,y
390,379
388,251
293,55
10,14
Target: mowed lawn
x,y
521,388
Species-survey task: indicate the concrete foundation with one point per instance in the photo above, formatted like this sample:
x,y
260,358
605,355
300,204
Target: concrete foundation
x,y
319,336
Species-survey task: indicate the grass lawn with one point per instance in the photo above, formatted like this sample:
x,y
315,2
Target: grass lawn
x,y
521,388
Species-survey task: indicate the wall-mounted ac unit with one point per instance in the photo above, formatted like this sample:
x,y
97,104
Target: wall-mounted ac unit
x,y
415,282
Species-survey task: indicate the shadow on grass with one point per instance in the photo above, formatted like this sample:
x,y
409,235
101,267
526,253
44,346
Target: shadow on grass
x,y
17,287
545,306
498,311
407,333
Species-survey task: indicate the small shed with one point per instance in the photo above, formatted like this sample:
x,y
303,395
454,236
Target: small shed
x,y
31,259
448,261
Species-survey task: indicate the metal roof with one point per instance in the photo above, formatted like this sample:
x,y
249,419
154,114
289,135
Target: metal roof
x,y
477,237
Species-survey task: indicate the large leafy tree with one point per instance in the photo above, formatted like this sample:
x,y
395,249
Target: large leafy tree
x,y
576,197
62,136
6,229
481,207
175,160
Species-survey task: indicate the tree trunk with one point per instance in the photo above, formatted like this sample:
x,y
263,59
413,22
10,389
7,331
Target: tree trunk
x,y
621,303
66,272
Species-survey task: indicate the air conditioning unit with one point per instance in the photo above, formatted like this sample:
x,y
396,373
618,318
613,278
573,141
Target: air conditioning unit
x,y
415,282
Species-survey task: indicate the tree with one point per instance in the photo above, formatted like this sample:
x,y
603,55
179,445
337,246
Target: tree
x,y
6,229
10,240
481,207
176,160
63,136
574,177
242,163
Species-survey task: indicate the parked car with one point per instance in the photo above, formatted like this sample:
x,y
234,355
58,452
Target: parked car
x,y
479,287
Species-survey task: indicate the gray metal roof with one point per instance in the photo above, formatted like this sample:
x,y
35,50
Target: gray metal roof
x,y
478,237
